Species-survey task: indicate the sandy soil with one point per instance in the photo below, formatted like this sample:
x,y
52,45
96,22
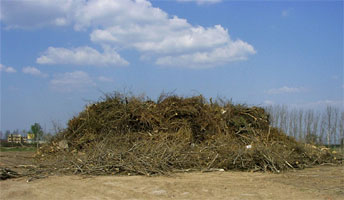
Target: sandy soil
x,y
323,182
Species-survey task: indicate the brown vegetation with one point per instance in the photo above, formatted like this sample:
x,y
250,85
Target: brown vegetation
x,y
133,135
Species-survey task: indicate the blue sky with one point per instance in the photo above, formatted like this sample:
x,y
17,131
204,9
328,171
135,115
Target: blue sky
x,y
58,55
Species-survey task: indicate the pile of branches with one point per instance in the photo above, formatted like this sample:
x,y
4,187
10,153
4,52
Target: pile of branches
x,y
6,173
134,135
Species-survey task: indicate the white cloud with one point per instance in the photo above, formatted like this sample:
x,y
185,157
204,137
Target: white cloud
x,y
164,39
175,36
34,71
285,89
128,24
105,79
37,13
71,82
238,50
201,2
81,56
107,13
3,68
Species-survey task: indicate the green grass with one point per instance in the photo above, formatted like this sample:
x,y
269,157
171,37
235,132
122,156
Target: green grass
x,y
6,149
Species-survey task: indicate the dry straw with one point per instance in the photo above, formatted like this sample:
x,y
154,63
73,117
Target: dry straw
x,y
124,134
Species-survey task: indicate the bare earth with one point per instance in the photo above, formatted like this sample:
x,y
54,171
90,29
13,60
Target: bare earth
x,y
323,182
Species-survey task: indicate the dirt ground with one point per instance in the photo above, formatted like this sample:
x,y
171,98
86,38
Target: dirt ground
x,y
322,182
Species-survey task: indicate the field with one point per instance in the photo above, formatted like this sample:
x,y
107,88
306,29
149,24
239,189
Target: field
x,y
5,149
322,182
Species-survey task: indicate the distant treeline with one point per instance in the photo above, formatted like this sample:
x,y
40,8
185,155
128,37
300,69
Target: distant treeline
x,y
308,125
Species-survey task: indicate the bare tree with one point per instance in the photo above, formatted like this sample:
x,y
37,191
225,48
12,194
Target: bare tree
x,y
57,127
276,116
323,128
309,125
294,127
308,121
300,119
334,126
341,130
283,118
315,127
329,123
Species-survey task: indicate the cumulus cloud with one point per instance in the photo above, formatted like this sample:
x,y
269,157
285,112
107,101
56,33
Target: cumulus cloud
x,y
3,68
134,25
174,37
238,50
81,56
37,13
169,41
285,89
107,13
201,2
34,71
71,82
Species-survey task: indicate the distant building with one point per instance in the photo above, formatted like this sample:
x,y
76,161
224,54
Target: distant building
x,y
30,137
16,138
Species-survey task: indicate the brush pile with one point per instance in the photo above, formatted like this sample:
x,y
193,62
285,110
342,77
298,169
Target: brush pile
x,y
133,135
6,173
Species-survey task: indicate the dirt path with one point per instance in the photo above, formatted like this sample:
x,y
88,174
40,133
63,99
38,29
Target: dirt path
x,y
323,182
